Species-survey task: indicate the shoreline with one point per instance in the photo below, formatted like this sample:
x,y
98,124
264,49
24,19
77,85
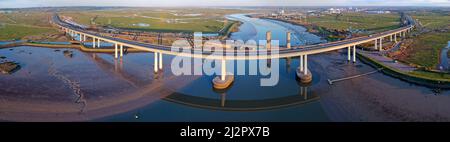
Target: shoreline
x,y
81,47
415,79
444,59
307,27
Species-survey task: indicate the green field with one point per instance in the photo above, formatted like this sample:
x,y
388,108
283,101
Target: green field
x,y
20,24
361,21
35,18
164,20
433,20
15,32
426,48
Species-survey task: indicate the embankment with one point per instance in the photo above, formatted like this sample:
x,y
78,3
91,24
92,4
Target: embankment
x,y
416,79
75,46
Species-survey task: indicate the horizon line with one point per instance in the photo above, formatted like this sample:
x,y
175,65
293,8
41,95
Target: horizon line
x,y
226,6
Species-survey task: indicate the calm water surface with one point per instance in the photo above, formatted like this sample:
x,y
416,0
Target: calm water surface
x,y
255,29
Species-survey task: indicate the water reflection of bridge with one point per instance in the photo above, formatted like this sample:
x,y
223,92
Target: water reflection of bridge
x,y
220,103
243,105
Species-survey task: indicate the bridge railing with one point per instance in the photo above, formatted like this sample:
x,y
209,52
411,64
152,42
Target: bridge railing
x,y
62,23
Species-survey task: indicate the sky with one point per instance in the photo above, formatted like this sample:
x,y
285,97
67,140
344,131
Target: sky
x,y
177,3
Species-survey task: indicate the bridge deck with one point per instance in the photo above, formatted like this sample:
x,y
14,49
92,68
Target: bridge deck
x,y
233,54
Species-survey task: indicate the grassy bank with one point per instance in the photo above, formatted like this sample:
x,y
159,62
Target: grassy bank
x,y
432,20
26,25
229,28
15,31
161,20
430,79
425,49
75,46
360,21
78,46
333,27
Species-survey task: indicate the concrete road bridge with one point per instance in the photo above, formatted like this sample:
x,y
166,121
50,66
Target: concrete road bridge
x,y
237,53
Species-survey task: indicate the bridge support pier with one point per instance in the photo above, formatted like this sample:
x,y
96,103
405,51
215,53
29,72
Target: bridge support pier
x,y
223,70
98,43
376,44
93,42
121,51
395,38
301,63
354,53
302,72
155,64
381,44
160,60
115,51
288,40
223,81
269,40
349,54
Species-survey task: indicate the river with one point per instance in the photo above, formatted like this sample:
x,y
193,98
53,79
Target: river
x,y
95,87
444,59
255,29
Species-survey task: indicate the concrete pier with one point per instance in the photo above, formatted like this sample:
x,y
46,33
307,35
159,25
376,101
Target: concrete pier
x,y
349,53
302,72
98,43
121,50
115,51
225,79
376,44
304,78
269,40
395,38
93,42
381,44
155,64
301,62
288,40
354,53
160,61
218,83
